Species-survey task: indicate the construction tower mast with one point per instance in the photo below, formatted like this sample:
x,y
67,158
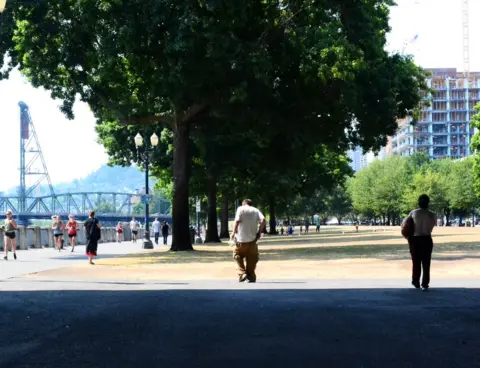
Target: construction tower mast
x,y
32,162
466,39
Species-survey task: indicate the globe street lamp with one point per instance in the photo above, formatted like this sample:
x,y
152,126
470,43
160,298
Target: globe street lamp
x,y
144,157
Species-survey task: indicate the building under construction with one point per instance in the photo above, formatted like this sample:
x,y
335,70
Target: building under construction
x,y
443,129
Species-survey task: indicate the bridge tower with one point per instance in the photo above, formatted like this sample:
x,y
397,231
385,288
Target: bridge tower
x,y
32,163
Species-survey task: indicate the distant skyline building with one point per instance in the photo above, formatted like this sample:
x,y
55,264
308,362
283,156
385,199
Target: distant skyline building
x,y
443,129
359,160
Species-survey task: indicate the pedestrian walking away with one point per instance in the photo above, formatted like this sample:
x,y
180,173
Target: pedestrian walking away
x,y
119,230
156,230
165,231
92,232
417,228
72,227
9,239
134,226
247,231
58,227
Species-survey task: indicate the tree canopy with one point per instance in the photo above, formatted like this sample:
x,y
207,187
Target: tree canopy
x,y
297,78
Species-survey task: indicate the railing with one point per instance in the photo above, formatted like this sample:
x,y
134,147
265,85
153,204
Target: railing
x,y
36,237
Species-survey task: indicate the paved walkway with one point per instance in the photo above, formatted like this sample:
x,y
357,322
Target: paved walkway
x,y
37,260
303,323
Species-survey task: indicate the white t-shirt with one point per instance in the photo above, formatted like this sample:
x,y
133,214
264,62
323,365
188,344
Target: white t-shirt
x,y
134,225
248,217
156,226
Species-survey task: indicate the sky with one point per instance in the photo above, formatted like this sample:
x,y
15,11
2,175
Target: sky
x,y
70,148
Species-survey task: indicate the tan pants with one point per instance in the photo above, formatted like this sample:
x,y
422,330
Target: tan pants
x,y
250,252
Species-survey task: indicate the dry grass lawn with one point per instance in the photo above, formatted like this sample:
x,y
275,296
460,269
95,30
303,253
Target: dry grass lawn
x,y
337,252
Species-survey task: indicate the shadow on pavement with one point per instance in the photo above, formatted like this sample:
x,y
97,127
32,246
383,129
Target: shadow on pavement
x,y
240,328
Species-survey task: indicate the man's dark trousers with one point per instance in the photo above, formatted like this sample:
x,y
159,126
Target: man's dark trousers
x,y
157,235
421,251
165,238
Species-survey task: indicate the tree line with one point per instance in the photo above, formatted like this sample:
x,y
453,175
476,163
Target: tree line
x,y
387,190
255,99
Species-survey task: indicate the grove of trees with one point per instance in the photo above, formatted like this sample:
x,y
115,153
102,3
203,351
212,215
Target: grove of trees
x,y
257,98
388,189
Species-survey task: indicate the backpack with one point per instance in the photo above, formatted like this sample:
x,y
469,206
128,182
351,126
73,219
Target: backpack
x,y
408,228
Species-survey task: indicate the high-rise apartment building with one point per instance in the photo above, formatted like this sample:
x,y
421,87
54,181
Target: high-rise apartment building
x,y
359,160
443,129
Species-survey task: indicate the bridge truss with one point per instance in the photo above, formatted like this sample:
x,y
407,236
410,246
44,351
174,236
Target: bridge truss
x,y
104,203
33,165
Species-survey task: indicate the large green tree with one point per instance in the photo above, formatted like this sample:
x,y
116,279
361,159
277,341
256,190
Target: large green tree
x,y
175,63
428,182
475,147
460,188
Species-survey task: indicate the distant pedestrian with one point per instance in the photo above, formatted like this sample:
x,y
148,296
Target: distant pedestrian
x,y
93,233
165,231
301,229
58,227
119,230
317,228
421,244
247,231
134,226
156,230
72,227
282,230
289,230
307,225
9,240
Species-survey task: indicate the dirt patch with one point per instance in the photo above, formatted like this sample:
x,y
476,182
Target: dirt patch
x,y
336,253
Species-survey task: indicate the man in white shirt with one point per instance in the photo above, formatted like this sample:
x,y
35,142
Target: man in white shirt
x,y
421,243
134,226
156,230
247,231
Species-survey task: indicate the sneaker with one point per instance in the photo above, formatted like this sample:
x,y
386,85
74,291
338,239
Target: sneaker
x,y
424,288
251,281
14,255
5,258
415,285
242,278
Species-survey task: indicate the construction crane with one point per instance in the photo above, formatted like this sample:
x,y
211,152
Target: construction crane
x,y
466,39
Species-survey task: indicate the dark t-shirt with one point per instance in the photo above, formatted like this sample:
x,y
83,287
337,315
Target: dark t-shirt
x,y
165,229
91,228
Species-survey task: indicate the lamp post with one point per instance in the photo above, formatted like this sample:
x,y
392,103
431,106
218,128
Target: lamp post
x,y
144,157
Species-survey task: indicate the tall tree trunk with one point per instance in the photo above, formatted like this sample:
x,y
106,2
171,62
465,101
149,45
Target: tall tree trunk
x,y
212,223
273,218
224,233
180,210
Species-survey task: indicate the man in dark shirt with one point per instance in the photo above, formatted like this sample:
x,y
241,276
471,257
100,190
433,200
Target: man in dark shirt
x,y
421,243
92,232
165,230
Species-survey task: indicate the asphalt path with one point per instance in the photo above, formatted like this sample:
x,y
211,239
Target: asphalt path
x,y
274,323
